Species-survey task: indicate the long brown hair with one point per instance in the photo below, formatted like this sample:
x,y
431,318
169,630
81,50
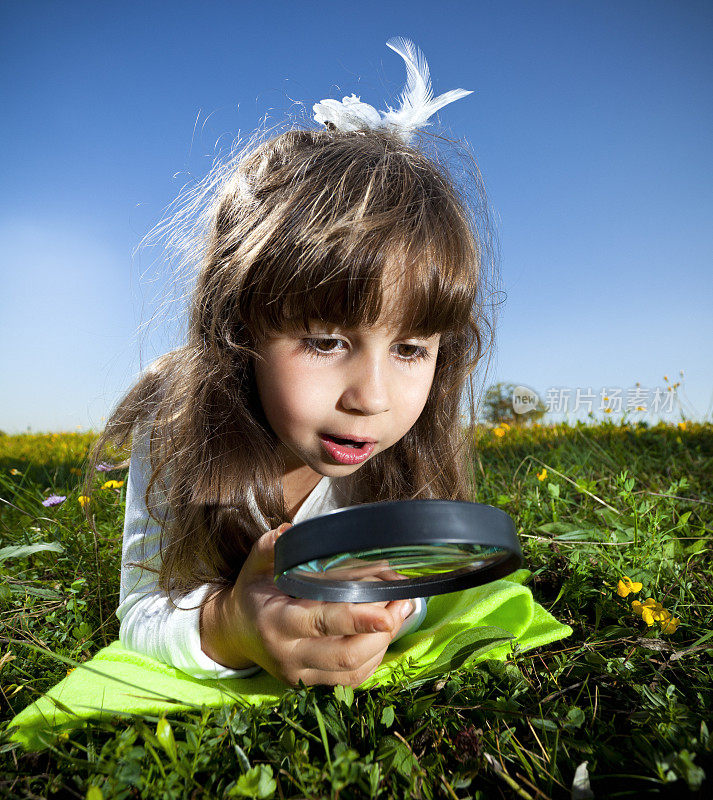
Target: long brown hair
x,y
308,225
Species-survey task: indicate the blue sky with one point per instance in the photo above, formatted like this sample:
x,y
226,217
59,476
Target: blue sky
x,y
591,123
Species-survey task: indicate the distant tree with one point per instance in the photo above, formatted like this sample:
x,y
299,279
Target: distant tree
x,y
498,406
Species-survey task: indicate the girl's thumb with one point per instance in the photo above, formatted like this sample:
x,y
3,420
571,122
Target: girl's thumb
x,y
263,551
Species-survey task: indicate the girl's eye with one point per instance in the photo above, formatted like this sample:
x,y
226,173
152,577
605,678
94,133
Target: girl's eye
x,y
323,347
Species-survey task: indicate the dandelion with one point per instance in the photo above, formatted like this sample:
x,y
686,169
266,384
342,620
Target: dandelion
x,y
53,500
70,671
113,485
542,475
682,426
83,500
505,425
499,432
640,408
626,586
607,410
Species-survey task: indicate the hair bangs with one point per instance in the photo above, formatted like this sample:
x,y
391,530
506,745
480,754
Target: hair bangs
x,y
403,275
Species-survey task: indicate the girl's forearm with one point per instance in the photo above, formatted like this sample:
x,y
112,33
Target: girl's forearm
x,y
218,640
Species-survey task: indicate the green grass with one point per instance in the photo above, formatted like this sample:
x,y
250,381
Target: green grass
x,y
630,701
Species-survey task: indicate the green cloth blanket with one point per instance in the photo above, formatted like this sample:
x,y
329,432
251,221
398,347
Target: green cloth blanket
x,y
471,625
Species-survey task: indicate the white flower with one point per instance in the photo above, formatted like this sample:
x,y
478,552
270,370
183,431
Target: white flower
x,y
349,115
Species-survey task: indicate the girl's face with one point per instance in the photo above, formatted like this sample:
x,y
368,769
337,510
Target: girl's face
x,y
368,383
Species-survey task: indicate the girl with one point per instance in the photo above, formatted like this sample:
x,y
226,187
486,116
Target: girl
x,y
339,296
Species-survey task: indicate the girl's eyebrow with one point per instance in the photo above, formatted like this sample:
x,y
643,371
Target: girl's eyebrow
x,y
400,333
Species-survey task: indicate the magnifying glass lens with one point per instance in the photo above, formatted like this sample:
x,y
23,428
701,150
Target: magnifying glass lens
x,y
395,550
399,563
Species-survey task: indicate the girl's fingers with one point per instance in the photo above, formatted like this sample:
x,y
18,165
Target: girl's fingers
x,y
389,574
261,557
401,610
354,678
307,619
341,653
356,570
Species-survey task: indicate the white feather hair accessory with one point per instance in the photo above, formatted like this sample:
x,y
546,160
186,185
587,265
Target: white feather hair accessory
x,y
417,101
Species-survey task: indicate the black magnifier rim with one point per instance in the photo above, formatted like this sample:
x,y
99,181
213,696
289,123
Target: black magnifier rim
x,y
400,522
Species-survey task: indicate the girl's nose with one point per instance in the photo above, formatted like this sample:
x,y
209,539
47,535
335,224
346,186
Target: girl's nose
x,y
366,386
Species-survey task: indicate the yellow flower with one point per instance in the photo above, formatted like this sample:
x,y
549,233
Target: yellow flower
x,y
682,426
606,399
607,410
626,586
640,408
665,377
670,625
542,475
505,425
83,500
113,485
15,472
498,432
651,611
71,670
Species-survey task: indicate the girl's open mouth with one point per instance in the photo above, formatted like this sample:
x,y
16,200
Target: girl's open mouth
x,y
346,451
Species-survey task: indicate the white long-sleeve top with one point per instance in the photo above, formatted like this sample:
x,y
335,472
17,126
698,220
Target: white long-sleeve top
x,y
149,623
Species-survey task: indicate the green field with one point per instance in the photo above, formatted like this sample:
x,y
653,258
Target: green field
x,y
622,706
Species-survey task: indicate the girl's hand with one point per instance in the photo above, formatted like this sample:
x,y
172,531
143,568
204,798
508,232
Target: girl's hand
x,y
295,639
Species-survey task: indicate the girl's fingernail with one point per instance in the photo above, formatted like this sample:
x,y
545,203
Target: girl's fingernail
x,y
406,609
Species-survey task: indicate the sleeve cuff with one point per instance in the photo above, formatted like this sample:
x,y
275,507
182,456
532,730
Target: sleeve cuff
x,y
186,651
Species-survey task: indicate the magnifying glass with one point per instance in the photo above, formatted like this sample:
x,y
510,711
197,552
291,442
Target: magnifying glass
x,y
396,550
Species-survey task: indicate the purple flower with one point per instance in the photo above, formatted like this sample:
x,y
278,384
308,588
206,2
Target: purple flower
x,y
102,466
53,500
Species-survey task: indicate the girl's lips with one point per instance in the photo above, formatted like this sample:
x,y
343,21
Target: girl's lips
x,y
344,454
351,437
